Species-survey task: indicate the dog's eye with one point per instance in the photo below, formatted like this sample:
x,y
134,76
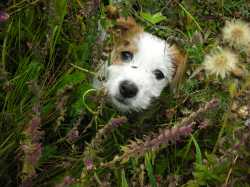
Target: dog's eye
x,y
126,56
158,74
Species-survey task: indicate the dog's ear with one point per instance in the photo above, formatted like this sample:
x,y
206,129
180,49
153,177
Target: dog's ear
x,y
121,27
124,29
126,24
179,58
123,24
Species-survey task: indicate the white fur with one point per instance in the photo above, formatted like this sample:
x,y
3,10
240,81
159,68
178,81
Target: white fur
x,y
153,53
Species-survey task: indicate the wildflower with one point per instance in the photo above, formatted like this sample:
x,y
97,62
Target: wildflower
x,y
116,122
4,16
243,112
140,147
34,130
31,156
28,182
166,136
32,152
73,134
236,33
203,124
104,132
67,181
220,62
89,164
31,148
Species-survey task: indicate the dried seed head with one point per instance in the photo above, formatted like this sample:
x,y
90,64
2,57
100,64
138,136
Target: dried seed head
x,y
236,33
220,62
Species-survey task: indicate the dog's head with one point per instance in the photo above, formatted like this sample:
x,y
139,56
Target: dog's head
x,y
141,66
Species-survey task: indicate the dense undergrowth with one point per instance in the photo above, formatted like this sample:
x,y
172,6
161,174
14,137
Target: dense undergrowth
x,y
57,131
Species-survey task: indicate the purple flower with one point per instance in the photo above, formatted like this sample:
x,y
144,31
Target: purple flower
x,y
27,182
116,122
4,16
34,124
32,152
213,103
89,164
33,129
73,135
67,181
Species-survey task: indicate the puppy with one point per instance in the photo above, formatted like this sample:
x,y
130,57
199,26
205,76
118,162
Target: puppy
x,y
141,65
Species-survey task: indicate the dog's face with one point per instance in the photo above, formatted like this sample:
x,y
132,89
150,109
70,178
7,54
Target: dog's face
x,y
141,66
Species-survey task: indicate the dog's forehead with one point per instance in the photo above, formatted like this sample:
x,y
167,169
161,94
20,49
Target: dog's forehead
x,y
151,50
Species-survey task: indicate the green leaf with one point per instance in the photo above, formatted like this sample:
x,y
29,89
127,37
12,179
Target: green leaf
x,y
48,152
198,151
124,180
154,19
161,165
61,8
77,105
68,79
232,89
149,169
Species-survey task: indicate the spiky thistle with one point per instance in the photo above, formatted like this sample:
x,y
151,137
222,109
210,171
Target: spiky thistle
x,y
220,62
236,33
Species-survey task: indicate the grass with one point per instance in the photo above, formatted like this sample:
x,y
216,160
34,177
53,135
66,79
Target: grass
x,y
56,130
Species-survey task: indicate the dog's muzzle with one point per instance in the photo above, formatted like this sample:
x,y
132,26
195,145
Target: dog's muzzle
x,y
128,89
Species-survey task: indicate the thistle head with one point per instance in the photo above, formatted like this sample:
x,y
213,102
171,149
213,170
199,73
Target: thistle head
x,y
236,33
220,62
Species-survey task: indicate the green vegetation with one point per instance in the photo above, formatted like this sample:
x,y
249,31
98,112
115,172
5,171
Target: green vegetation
x,y
57,131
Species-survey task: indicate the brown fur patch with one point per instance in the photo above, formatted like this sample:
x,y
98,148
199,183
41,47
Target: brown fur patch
x,y
128,25
179,59
126,30
124,46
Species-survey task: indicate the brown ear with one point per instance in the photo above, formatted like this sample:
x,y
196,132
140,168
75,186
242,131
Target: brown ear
x,y
180,61
122,23
125,29
127,24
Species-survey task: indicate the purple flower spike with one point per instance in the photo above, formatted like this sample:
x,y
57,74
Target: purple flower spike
x,y
4,16
35,154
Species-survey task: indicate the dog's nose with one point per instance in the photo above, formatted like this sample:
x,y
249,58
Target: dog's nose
x,y
128,89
